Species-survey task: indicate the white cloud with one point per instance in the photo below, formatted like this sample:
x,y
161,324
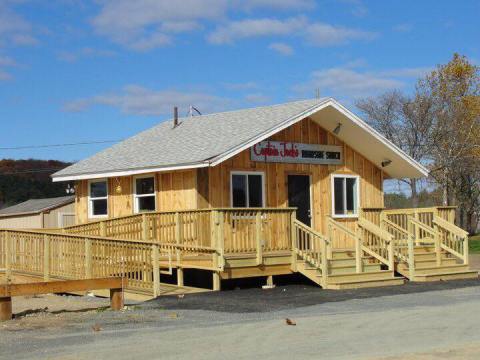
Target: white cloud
x,y
248,28
4,75
275,4
349,82
406,27
14,29
85,52
317,34
241,86
281,48
257,98
321,34
357,7
145,24
138,100
7,61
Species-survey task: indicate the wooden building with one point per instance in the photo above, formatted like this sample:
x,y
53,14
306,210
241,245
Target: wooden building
x,y
230,180
39,214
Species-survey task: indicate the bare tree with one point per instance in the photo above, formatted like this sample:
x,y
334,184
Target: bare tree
x,y
405,121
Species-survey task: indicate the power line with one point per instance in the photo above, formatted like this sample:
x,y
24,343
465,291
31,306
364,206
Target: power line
x,y
58,145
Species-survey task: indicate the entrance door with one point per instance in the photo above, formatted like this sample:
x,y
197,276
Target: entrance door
x,y
299,196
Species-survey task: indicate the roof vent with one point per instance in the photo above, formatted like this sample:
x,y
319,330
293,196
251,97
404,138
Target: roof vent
x,y
175,116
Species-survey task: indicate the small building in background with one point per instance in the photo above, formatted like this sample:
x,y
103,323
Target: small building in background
x,y
39,213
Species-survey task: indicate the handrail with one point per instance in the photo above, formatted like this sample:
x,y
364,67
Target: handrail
x,y
423,226
312,247
395,226
368,225
450,227
341,226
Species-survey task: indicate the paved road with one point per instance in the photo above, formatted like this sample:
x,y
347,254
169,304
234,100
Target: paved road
x,y
439,320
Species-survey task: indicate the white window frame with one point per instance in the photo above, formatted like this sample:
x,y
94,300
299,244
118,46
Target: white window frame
x,y
261,173
332,186
136,196
90,199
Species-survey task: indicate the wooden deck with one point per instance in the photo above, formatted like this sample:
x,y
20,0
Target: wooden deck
x,y
239,243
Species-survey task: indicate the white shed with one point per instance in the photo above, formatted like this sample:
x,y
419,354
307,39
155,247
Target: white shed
x,y
39,214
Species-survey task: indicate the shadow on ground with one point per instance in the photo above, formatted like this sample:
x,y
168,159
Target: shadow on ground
x,y
290,296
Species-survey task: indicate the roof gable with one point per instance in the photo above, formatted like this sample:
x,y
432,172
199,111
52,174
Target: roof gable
x,y
34,206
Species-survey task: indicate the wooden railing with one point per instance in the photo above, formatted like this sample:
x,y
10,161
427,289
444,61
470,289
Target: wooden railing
x,y
311,247
376,242
65,256
241,230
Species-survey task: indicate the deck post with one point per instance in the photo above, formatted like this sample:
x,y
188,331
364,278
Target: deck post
x,y
116,299
8,256
220,239
465,250
156,270
358,250
88,259
178,236
411,251
391,254
417,229
330,238
145,227
5,308
103,229
46,257
216,281
180,281
258,237
293,239
324,263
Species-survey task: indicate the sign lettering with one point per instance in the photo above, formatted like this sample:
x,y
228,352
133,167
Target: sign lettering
x,y
289,152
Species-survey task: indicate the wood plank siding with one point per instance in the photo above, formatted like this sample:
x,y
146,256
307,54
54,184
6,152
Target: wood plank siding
x,y
210,187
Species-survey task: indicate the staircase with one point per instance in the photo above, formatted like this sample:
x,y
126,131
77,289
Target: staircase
x,y
337,269
429,248
426,268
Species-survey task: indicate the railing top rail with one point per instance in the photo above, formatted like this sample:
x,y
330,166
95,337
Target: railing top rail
x,y
422,225
310,230
422,209
374,229
153,213
449,226
94,237
341,227
395,226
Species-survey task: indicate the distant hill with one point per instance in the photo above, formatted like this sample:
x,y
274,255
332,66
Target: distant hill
x,y
21,180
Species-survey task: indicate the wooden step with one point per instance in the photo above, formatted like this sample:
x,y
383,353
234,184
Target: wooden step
x,y
367,283
441,269
454,275
351,269
348,277
419,264
343,254
351,261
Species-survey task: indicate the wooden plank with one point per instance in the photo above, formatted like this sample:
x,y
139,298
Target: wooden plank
x,y
61,286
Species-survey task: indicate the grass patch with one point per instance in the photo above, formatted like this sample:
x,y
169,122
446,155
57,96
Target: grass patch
x,y
474,244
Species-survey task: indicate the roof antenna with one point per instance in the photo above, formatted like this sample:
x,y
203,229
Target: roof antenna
x,y
192,109
317,93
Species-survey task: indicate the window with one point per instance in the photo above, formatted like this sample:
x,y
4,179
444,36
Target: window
x,y
345,195
144,194
98,198
247,189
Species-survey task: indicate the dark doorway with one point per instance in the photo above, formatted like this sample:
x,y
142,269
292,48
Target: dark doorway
x,y
299,196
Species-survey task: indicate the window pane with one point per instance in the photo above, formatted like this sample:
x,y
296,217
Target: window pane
x,y
98,189
99,207
145,186
338,194
351,195
146,203
239,190
255,191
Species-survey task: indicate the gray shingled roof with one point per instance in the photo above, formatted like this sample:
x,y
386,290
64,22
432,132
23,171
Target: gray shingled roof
x,y
197,139
34,206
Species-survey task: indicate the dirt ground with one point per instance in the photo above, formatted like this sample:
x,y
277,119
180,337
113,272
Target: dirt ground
x,y
414,321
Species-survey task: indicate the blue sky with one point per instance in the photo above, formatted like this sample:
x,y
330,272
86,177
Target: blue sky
x,y
79,71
